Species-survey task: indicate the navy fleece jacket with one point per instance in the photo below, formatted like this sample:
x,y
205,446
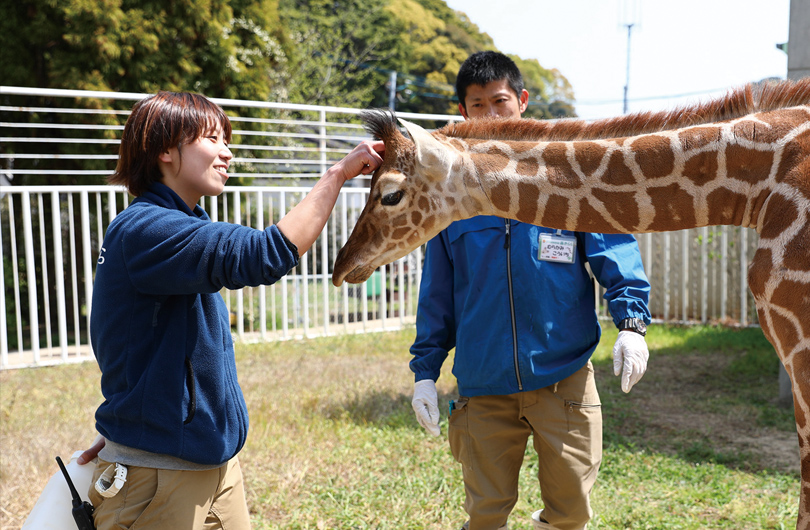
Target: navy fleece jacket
x,y
160,329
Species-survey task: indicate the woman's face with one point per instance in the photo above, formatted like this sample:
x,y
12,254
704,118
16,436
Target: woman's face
x,y
198,168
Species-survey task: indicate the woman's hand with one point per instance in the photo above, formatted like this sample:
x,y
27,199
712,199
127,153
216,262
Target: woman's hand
x,y
362,160
92,453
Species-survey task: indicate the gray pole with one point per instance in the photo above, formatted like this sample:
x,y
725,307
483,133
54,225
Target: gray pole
x,y
392,92
627,76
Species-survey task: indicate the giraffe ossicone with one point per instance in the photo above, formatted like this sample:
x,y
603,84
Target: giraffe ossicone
x,y
740,160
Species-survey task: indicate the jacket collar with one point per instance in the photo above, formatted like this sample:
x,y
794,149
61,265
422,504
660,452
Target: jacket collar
x,y
163,196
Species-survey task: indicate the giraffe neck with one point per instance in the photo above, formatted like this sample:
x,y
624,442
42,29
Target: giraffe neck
x,y
719,174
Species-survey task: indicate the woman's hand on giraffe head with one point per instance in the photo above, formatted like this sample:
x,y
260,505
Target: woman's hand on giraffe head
x,y
362,160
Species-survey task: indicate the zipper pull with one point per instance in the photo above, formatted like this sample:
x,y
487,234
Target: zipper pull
x,y
508,224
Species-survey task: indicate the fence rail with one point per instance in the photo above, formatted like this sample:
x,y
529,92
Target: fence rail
x,y
50,234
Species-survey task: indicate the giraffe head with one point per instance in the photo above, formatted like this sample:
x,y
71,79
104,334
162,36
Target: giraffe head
x,y
413,197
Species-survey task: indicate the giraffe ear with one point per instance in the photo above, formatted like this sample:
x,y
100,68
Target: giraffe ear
x,y
433,158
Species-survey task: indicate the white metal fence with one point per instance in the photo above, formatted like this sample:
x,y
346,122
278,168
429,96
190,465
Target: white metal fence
x,y
50,234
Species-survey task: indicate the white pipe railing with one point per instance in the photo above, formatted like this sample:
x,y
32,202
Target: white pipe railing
x,y
49,235
56,294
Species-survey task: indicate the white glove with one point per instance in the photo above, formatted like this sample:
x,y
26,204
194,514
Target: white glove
x,y
630,356
426,405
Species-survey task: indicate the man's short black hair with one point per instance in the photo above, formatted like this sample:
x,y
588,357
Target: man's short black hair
x,y
481,68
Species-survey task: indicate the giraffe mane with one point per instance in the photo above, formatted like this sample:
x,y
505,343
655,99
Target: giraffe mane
x,y
380,123
737,103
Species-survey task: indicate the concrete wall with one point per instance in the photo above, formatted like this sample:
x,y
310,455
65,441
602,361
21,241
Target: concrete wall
x,y
799,40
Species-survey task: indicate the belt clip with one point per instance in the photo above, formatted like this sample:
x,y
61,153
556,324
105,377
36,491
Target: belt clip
x,y
112,480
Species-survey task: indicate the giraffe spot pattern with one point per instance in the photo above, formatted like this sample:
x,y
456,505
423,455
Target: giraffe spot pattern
x,y
429,222
795,164
416,218
654,155
589,155
784,328
795,256
780,213
558,170
471,205
488,163
458,144
400,220
748,165
400,233
778,125
591,220
528,199
556,211
726,207
501,196
674,207
617,172
423,203
756,206
701,168
527,167
759,272
621,206
698,137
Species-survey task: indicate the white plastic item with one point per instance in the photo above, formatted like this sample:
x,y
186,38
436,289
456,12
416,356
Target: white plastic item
x,y
54,508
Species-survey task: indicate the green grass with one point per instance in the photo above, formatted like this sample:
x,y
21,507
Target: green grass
x,y
333,443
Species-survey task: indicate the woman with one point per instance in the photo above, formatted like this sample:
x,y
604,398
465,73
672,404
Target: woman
x,y
173,416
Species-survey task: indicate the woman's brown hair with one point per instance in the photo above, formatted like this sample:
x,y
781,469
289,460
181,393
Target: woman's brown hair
x,y
158,123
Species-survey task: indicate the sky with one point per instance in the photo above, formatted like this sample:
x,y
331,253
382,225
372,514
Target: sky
x,y
681,52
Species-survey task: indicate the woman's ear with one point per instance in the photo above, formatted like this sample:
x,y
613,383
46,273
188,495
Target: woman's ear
x,y
165,157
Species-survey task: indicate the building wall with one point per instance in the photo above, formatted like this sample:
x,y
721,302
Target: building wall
x,y
799,40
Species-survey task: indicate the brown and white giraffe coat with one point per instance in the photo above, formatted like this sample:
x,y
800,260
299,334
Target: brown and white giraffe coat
x,y
742,160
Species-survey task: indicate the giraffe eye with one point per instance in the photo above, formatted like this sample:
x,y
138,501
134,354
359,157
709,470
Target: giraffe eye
x,y
392,199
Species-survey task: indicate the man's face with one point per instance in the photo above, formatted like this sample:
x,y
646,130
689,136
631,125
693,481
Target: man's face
x,y
495,99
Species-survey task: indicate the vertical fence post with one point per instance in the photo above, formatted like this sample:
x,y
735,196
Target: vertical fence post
x,y
240,310
281,211
31,274
43,259
74,276
262,288
743,277
61,309
667,272
685,275
704,279
3,322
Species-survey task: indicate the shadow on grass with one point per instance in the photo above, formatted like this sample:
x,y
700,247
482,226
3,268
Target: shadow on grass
x,y
709,396
381,409
712,397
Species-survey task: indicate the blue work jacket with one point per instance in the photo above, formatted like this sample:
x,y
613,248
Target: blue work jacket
x,y
518,323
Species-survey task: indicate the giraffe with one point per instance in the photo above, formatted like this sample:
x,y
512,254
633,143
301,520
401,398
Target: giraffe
x,y
742,160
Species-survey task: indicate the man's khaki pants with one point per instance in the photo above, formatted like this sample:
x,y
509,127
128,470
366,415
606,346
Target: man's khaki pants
x,y
178,500
488,436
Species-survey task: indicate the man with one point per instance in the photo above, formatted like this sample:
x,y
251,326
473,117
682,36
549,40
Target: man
x,y
523,329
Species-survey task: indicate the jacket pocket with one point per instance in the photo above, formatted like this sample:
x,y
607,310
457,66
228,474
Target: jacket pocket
x,y
191,386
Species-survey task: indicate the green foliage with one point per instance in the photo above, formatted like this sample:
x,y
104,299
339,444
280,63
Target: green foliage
x,y
226,48
336,52
330,52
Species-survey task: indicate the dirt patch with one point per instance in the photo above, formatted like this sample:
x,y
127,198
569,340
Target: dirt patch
x,y
698,407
